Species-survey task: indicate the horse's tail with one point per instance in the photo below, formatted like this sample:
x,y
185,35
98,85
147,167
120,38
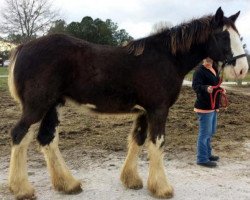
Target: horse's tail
x,y
11,77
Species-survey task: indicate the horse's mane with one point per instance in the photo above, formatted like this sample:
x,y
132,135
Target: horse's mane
x,y
178,38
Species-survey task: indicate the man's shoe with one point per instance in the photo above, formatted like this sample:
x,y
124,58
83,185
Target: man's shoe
x,y
209,164
214,158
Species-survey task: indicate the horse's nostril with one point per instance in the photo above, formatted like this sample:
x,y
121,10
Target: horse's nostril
x,y
241,72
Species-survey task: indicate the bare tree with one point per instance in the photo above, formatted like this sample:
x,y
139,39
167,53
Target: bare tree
x,y
26,17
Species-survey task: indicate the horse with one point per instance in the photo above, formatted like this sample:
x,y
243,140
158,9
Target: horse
x,y
143,77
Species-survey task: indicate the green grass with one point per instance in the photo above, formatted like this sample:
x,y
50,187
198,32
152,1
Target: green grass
x,y
247,78
3,84
189,77
3,70
3,80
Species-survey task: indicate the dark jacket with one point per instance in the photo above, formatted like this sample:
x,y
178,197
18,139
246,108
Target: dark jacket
x,y
203,78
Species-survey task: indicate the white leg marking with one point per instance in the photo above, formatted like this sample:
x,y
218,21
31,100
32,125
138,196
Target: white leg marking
x,y
18,175
61,177
129,175
157,180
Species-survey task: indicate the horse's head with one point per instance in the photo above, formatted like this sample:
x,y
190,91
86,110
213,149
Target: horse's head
x,y
225,45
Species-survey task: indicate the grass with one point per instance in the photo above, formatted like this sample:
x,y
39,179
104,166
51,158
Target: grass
x,y
247,78
189,77
3,84
3,70
3,80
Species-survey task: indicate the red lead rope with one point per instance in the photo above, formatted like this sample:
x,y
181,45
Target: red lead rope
x,y
223,100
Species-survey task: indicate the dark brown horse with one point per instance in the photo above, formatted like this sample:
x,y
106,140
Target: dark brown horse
x,y
144,77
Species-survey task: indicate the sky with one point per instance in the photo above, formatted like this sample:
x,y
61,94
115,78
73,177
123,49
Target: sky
x,y
137,17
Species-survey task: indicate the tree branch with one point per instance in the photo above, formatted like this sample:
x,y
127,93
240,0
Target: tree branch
x,y
26,17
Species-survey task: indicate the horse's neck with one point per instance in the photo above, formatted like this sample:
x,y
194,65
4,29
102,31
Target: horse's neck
x,y
189,60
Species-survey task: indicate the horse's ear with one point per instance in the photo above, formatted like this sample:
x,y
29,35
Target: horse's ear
x,y
235,16
218,17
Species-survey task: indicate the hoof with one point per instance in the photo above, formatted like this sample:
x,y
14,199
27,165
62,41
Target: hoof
x,y
75,189
162,192
26,197
131,180
27,192
69,188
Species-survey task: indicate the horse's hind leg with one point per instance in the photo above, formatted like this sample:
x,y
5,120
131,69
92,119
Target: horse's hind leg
x,y
18,176
48,138
158,183
129,175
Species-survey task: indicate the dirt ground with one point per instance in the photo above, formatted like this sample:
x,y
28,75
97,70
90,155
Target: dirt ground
x,y
95,146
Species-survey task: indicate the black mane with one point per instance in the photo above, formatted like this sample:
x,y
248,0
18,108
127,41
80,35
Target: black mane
x,y
178,38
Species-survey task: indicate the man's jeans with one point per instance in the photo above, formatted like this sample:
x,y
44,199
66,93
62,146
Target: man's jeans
x,y
207,128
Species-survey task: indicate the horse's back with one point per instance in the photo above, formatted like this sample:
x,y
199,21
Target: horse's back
x,y
58,66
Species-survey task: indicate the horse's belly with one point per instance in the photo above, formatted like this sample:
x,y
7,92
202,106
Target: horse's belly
x,y
105,98
110,106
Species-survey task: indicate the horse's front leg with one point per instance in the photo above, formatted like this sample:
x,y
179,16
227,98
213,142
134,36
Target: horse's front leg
x,y
158,183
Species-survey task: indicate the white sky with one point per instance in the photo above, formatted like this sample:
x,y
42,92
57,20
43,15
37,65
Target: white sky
x,y
138,16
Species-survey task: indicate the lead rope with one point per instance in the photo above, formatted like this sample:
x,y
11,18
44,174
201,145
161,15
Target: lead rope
x,y
223,100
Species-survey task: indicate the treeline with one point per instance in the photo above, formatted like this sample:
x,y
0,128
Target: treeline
x,y
93,30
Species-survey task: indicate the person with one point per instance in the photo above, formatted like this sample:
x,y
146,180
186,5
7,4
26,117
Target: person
x,y
206,76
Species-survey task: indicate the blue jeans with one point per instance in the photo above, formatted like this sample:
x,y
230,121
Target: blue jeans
x,y
207,128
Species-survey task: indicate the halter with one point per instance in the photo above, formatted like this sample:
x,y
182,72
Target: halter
x,y
229,60
223,96
232,59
